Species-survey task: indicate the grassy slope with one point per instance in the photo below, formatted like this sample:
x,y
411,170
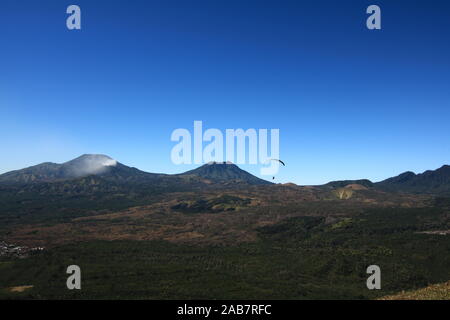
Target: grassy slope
x,y
439,291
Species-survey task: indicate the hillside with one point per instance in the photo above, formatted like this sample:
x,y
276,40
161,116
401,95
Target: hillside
x,y
431,181
439,291
344,183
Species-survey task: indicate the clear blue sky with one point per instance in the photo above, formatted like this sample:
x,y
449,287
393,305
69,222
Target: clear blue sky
x,y
349,102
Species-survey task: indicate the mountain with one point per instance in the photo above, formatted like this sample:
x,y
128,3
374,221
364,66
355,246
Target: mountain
x,y
225,172
99,182
83,166
102,169
431,181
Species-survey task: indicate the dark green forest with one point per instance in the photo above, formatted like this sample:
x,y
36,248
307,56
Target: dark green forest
x,y
298,258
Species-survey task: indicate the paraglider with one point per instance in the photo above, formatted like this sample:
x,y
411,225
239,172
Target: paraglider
x,y
284,165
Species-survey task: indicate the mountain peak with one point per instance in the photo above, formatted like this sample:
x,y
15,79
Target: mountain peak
x,y
219,163
223,172
88,164
94,159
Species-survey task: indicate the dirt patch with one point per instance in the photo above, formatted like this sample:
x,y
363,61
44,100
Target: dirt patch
x,y
19,288
433,292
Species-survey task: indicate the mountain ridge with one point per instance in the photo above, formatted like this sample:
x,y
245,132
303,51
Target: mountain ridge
x,y
218,173
111,170
430,181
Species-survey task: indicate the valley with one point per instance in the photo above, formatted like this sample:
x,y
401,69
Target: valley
x,y
216,233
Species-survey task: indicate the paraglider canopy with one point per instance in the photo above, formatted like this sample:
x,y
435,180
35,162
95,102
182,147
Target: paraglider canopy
x,y
278,161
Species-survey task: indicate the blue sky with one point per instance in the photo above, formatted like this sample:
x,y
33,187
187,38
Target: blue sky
x,y
349,102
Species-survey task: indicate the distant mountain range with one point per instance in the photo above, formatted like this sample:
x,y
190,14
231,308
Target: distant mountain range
x,y
108,169
102,168
437,181
429,182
